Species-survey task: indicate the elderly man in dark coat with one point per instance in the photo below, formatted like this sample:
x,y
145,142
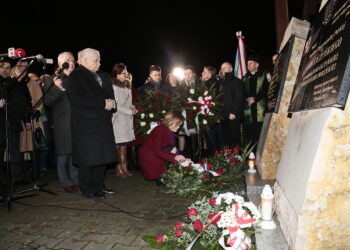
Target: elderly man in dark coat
x,y
92,133
232,110
56,98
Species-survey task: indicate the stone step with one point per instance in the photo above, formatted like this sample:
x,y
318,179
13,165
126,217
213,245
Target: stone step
x,y
265,239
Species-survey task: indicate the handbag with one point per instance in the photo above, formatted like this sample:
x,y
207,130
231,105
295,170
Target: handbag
x,y
39,139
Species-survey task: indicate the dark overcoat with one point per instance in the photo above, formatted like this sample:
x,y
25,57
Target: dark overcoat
x,y
92,132
152,154
232,97
57,100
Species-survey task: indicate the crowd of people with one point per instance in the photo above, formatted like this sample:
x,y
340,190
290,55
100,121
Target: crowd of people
x,y
88,114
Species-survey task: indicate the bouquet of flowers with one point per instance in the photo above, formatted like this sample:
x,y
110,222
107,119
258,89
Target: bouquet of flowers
x,y
198,105
224,220
222,171
151,109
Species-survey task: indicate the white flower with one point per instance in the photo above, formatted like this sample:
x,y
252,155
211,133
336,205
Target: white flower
x,y
205,121
200,99
151,115
202,112
198,167
142,124
191,91
189,99
163,111
194,107
211,114
206,92
142,115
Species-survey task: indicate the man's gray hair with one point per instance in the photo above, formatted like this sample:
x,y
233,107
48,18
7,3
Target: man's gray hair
x,y
86,52
62,56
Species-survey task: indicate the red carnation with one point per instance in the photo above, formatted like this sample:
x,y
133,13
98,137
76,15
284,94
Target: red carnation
x,y
178,233
205,176
203,161
192,212
156,108
139,110
221,170
157,93
198,225
226,150
236,150
212,202
216,153
233,160
160,238
166,96
179,225
229,155
186,169
209,166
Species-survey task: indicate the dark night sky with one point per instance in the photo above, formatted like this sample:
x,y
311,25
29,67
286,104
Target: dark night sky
x,y
167,33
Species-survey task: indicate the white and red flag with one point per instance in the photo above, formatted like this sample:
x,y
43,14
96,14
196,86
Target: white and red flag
x,y
240,63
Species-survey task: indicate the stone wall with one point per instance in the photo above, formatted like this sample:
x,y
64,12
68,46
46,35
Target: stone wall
x,y
271,144
312,190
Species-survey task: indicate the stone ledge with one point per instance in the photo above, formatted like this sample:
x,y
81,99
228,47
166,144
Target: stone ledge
x,y
265,239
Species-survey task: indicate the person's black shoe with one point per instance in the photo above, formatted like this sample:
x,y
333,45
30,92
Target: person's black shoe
x,y
107,191
160,183
95,196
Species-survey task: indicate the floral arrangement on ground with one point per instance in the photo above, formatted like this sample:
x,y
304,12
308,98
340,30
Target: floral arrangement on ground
x,y
225,170
221,221
199,106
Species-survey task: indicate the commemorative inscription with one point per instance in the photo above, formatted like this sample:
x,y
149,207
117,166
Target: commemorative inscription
x,y
324,74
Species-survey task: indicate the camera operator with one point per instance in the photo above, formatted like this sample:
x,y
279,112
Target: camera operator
x,y
17,96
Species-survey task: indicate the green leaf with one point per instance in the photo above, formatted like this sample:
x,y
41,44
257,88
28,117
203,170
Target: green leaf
x,y
152,241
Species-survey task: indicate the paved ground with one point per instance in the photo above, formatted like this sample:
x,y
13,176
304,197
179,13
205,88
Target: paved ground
x,y
69,221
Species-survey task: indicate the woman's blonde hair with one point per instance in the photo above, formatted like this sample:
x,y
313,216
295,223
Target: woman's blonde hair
x,y
173,117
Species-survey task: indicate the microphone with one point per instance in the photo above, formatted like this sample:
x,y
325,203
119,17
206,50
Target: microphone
x,y
64,66
14,53
20,53
37,57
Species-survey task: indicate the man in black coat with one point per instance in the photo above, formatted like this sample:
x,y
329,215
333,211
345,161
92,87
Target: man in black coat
x,y
56,98
17,108
154,81
93,144
232,110
215,138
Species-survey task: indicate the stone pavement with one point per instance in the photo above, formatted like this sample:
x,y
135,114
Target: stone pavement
x,y
69,221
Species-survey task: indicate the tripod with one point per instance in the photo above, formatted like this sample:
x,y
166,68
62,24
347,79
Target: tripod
x,y
10,179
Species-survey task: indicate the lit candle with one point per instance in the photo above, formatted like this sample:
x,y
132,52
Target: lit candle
x,y
251,163
266,208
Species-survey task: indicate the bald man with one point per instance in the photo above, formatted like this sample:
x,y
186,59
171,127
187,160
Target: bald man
x,y
56,98
232,110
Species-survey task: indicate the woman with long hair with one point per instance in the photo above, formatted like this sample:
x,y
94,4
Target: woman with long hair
x,y
123,119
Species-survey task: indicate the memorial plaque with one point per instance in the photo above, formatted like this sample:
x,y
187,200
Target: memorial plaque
x,y
278,77
324,73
